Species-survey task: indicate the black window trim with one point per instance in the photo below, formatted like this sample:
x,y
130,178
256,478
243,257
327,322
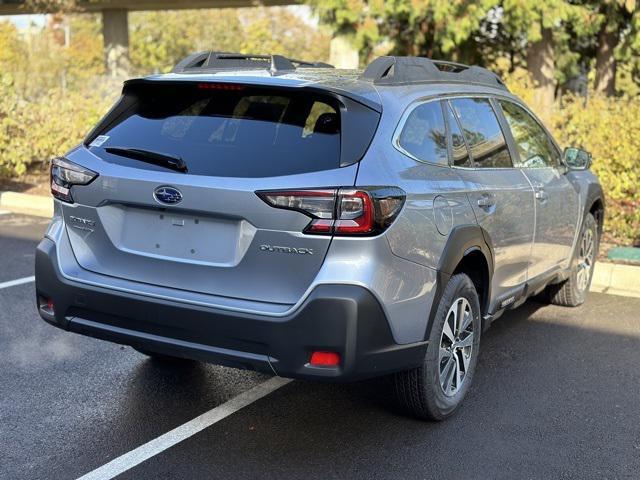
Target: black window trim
x,y
446,105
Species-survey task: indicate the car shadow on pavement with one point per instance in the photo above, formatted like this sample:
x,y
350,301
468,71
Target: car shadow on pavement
x,y
551,399
175,391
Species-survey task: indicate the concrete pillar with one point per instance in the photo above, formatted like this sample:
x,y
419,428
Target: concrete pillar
x,y
342,53
115,31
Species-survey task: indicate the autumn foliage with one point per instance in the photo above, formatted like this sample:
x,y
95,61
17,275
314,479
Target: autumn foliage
x,y
52,89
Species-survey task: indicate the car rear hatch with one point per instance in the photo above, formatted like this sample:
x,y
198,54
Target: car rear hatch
x,y
205,230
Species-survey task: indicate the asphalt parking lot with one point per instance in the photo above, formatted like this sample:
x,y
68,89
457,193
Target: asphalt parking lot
x,y
556,395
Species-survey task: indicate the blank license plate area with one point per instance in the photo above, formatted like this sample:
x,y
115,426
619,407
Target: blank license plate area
x,y
180,237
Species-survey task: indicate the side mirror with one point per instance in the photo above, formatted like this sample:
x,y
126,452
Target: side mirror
x,y
576,159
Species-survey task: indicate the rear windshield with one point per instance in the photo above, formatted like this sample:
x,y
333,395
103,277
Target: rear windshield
x,y
226,130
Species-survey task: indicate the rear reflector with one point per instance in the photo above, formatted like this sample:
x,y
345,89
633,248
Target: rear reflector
x,y
341,211
325,359
46,305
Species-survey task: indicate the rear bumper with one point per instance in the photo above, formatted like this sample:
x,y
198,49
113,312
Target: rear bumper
x,y
343,318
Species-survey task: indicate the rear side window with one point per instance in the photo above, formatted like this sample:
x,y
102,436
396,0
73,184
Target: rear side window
x,y
424,134
482,132
535,148
222,131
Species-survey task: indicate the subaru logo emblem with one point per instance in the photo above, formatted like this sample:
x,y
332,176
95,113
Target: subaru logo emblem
x,y
167,195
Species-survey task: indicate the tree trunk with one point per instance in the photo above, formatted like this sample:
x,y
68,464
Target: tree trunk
x,y
606,61
540,63
115,32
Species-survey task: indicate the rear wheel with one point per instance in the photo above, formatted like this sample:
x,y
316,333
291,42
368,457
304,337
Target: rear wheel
x,y
573,291
436,389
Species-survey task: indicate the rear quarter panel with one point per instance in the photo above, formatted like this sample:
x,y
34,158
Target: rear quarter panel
x,y
436,202
437,198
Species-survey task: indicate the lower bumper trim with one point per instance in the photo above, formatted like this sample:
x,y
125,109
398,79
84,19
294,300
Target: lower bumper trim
x,y
346,319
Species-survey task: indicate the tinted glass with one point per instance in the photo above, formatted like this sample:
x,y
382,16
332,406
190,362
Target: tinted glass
x,y
424,134
482,132
240,132
459,152
535,148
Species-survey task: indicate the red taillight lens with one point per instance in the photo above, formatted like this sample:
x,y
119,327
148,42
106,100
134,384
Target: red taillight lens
x,y
344,211
320,227
355,213
65,174
325,359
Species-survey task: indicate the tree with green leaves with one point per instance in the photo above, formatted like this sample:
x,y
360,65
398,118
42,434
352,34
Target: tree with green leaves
x,y
539,27
530,32
159,39
432,28
278,30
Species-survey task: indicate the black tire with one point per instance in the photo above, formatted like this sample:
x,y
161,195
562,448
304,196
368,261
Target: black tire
x,y
162,357
419,392
573,291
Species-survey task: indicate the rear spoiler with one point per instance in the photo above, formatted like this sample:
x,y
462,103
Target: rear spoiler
x,y
358,121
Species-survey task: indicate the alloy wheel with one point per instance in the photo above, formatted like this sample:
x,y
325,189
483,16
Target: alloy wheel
x,y
456,346
586,258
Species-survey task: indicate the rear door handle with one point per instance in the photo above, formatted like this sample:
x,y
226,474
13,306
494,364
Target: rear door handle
x,y
486,201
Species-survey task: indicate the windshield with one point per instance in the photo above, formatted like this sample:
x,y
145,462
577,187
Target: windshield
x,y
227,130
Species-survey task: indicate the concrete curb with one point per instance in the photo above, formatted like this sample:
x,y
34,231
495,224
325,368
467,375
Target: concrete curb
x,y
616,279
30,204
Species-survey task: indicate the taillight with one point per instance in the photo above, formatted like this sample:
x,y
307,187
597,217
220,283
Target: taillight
x,y
343,211
65,174
355,213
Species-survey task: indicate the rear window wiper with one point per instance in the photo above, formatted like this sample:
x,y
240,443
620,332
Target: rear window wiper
x,y
156,158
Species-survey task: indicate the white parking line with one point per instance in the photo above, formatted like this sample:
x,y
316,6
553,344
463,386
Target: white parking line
x,y
154,447
19,281
4,212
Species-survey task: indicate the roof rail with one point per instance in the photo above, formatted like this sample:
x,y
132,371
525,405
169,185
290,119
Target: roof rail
x,y
391,70
210,60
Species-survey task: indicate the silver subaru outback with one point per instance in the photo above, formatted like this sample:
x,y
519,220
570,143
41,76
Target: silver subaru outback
x,y
283,216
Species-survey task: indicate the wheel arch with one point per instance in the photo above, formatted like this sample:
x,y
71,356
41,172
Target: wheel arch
x,y
594,204
468,250
597,210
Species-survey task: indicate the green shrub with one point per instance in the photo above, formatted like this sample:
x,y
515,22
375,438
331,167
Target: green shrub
x,y
34,131
608,128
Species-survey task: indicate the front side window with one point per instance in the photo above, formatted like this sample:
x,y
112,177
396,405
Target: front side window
x,y
534,146
424,135
482,132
